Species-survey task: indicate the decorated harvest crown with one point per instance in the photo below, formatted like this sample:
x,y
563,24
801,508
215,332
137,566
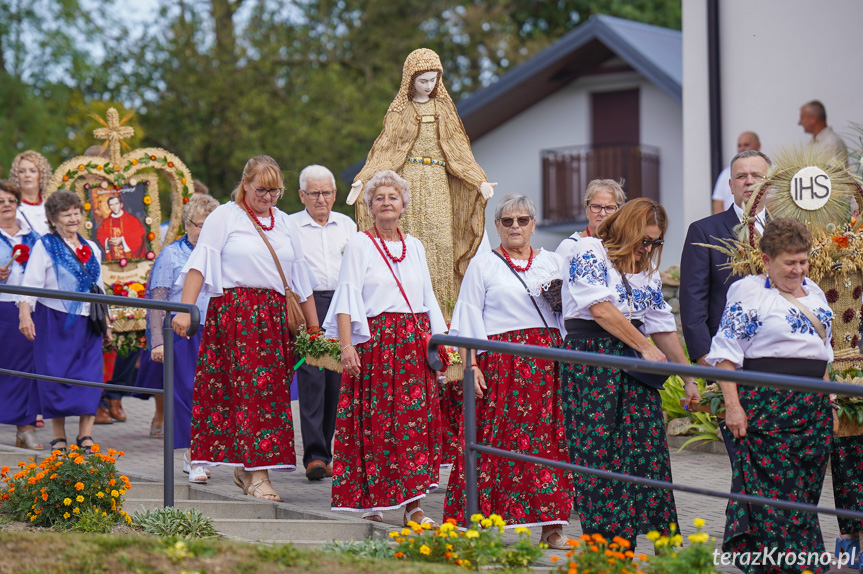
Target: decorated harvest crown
x,y
122,212
813,187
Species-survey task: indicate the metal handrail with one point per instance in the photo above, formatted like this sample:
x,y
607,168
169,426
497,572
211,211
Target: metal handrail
x,y
168,365
803,384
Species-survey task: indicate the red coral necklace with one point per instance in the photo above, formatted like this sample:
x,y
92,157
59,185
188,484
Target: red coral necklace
x,y
513,265
39,202
386,249
258,221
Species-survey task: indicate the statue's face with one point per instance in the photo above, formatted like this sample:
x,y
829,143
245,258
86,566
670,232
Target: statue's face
x,y
424,84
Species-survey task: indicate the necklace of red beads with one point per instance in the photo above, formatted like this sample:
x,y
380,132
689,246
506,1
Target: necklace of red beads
x,y
38,202
386,249
513,265
258,221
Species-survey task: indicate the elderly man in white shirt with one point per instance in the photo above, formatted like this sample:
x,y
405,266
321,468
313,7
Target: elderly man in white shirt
x,y
323,234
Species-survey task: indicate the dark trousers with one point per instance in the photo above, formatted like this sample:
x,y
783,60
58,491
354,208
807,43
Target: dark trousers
x,y
125,373
319,399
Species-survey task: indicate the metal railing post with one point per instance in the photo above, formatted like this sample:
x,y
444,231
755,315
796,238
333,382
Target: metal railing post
x,y
168,377
470,479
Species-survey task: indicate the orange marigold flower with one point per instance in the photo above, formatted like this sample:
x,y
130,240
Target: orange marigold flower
x,y
32,480
608,553
31,465
599,538
53,476
121,453
45,496
841,241
629,554
594,549
79,486
4,470
585,537
112,482
554,559
399,554
95,448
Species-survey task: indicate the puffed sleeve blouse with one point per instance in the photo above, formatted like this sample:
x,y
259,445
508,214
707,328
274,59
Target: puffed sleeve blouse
x,y
366,287
492,300
592,278
40,273
230,253
758,322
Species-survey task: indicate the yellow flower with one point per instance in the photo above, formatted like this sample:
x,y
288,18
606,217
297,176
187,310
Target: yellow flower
x,y
673,527
425,550
446,527
699,538
471,534
76,510
677,540
100,495
79,498
662,542
497,520
485,522
122,492
67,501
406,531
66,515
393,534
453,534
32,518
413,525
115,494
698,522
522,530
476,518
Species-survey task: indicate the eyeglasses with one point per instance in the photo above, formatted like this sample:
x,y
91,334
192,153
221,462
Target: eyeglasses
x,y
319,194
648,242
9,201
523,221
275,192
596,208
196,225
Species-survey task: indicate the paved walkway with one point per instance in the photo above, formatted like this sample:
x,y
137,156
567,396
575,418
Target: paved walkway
x,y
143,460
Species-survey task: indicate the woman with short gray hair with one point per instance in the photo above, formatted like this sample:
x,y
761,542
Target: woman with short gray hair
x,y
383,301
518,398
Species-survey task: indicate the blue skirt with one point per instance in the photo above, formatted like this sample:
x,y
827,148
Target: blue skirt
x,y
20,403
185,361
73,352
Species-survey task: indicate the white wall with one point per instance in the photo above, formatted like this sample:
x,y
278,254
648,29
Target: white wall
x,y
510,154
775,56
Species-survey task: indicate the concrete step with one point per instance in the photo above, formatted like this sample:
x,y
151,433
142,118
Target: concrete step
x,y
210,508
182,491
11,459
315,531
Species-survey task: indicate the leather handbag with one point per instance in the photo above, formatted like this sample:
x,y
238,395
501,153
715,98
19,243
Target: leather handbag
x,y
425,336
293,312
98,317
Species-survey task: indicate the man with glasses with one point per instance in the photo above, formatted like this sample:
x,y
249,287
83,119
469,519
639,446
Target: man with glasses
x,y
323,235
703,283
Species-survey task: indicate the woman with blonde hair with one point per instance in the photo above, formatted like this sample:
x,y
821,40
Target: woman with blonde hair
x,y
32,173
163,286
613,304
387,448
246,257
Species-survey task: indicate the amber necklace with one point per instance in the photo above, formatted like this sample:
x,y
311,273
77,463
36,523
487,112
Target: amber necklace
x,y
513,265
386,249
258,221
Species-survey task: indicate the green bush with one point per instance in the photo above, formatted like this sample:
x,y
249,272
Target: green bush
x,y
174,522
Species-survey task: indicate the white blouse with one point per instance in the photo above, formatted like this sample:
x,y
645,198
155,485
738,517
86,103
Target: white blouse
x,y
230,253
566,249
40,274
35,217
592,279
366,287
16,270
492,300
758,322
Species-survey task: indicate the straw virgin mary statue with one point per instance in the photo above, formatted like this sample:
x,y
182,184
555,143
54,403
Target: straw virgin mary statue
x,y
424,141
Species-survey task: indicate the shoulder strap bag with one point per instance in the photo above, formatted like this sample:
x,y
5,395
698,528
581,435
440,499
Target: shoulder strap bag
x,y
650,379
532,300
292,300
98,311
816,322
424,335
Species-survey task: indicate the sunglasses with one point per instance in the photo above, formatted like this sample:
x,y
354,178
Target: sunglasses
x,y
523,221
648,242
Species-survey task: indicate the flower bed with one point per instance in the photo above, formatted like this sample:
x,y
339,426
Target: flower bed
x,y
65,489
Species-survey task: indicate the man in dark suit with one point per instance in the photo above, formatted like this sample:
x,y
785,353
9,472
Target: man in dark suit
x,y
703,284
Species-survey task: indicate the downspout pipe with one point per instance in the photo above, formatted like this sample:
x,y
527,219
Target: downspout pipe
x,y
715,92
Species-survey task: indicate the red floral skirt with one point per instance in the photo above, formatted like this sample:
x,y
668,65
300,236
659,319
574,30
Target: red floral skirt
x,y
241,410
451,406
521,412
388,433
